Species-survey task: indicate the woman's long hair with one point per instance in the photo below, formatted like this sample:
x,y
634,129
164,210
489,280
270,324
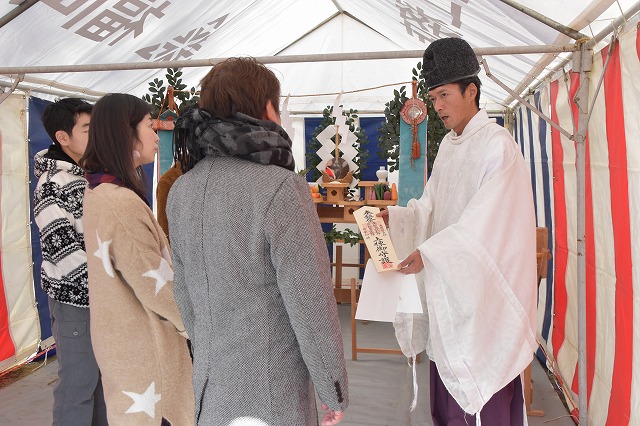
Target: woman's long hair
x,y
112,138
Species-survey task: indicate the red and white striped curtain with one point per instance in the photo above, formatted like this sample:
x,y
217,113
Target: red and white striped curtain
x,y
19,324
612,218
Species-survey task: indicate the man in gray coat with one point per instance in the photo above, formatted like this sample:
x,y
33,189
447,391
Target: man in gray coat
x,y
252,274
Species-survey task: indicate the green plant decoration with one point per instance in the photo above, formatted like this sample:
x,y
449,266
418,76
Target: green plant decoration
x,y
158,91
347,236
314,144
389,130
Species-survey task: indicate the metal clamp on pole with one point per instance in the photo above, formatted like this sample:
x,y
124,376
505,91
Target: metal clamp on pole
x,y
10,90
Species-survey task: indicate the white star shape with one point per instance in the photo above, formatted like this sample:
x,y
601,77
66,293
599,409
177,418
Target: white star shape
x,y
144,402
103,254
162,275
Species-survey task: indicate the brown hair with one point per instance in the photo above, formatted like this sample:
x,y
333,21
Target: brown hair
x,y
112,136
239,85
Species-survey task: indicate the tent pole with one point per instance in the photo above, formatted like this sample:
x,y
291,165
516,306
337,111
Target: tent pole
x,y
60,93
585,59
613,28
16,11
285,59
615,25
524,101
11,88
569,32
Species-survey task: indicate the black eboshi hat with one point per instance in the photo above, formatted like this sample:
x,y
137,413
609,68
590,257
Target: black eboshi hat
x,y
447,60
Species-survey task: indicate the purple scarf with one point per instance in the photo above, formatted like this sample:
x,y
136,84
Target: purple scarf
x,y
96,178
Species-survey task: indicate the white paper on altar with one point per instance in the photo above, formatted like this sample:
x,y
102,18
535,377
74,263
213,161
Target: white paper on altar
x,y
381,294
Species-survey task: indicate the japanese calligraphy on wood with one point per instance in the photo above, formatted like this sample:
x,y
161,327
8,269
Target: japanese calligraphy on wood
x,y
376,237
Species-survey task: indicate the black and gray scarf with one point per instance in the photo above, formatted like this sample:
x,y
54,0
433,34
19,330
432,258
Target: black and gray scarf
x,y
197,134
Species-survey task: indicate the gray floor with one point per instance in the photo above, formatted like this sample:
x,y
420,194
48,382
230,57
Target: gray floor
x,y
380,387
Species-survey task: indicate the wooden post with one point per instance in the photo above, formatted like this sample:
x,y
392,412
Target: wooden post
x,y
354,306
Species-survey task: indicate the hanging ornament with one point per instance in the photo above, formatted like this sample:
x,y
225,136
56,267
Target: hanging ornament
x,y
413,112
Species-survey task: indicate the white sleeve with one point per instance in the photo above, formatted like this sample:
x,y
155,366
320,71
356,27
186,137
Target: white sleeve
x,y
501,148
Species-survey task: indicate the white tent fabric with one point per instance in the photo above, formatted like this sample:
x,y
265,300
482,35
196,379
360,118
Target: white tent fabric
x,y
54,32
18,307
300,41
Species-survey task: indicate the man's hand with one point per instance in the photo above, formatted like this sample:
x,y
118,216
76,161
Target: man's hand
x,y
384,214
412,264
331,417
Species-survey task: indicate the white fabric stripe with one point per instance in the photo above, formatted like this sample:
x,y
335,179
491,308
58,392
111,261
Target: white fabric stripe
x,y
568,351
604,252
527,127
631,101
537,156
527,123
545,103
16,245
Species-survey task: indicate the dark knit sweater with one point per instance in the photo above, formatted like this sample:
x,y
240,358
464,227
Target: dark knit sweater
x,y
57,202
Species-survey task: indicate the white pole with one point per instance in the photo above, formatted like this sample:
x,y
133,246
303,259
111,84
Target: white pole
x,y
582,101
285,59
569,32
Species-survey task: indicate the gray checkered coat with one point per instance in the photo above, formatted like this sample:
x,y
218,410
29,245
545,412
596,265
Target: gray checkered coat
x,y
252,280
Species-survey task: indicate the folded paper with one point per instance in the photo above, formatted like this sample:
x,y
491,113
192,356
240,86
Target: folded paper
x,y
384,294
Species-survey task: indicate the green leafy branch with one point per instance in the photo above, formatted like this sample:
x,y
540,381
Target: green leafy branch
x,y
347,236
158,92
389,130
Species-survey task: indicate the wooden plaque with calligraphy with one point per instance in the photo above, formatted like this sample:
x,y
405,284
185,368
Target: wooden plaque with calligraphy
x,y
376,237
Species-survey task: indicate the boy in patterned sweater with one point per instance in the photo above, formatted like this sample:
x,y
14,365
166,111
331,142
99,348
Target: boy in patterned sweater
x,y
58,197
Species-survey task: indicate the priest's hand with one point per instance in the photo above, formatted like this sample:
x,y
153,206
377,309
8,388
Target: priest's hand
x,y
412,264
384,214
331,417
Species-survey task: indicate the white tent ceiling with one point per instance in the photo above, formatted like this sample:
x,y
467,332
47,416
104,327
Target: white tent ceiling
x,y
83,32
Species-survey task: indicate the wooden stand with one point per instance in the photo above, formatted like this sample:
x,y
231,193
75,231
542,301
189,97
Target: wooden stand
x,y
343,295
335,208
354,339
542,257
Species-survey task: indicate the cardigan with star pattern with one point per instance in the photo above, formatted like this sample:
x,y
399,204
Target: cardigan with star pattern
x,y
136,330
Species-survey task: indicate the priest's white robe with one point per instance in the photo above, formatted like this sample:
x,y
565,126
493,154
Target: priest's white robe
x,y
475,229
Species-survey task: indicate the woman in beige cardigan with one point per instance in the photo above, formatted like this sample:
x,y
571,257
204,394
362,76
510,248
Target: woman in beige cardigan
x,y
137,333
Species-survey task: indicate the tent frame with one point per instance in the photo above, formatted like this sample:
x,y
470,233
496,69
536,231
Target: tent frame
x,y
581,63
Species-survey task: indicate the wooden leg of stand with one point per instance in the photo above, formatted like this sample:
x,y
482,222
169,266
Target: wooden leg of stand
x,y
354,306
528,393
338,261
354,342
366,257
527,386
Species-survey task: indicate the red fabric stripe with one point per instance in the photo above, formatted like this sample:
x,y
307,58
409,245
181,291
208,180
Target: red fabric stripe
x,y
590,255
560,216
619,403
7,348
